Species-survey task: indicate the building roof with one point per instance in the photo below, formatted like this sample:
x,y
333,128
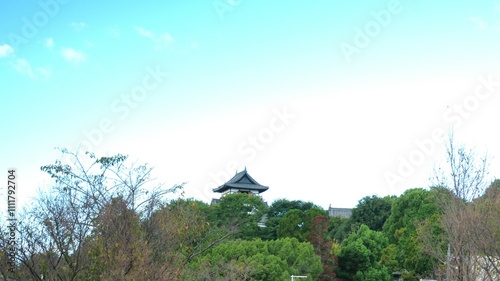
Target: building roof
x,y
242,180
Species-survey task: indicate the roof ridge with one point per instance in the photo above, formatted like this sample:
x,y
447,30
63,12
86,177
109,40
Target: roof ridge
x,y
235,180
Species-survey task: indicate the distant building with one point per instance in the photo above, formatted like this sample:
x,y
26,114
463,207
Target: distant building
x,y
242,182
339,212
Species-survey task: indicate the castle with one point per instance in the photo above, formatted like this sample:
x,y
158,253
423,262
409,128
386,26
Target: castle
x,y
242,182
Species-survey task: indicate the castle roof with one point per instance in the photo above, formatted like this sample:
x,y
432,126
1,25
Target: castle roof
x,y
242,181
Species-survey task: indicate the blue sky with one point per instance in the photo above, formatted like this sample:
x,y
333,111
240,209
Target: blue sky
x,y
323,101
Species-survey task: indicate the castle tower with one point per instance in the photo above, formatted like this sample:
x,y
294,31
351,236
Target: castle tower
x,y
242,182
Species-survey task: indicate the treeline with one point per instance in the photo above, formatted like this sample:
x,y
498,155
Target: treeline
x,y
106,219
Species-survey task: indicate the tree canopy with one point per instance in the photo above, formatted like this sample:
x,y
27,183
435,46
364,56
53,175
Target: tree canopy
x,y
104,218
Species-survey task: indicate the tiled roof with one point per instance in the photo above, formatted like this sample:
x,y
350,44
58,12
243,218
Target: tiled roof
x,y
242,180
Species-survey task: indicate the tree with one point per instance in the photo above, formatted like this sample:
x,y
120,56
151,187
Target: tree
x,y
277,211
177,233
106,219
340,228
117,250
486,229
409,211
372,211
318,234
464,179
53,234
360,255
297,223
241,212
291,225
257,260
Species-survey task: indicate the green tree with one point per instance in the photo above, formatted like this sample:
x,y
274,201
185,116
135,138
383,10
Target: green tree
x,y
372,211
239,211
257,260
340,228
360,255
411,209
297,223
291,225
277,211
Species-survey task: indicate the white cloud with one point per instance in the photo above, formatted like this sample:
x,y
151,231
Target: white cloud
x,y
5,50
49,42
161,41
144,33
23,66
479,22
73,56
78,26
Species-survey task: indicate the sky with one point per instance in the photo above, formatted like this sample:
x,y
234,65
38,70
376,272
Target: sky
x,y
322,101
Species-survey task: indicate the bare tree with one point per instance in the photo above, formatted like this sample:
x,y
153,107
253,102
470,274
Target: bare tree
x,y
465,221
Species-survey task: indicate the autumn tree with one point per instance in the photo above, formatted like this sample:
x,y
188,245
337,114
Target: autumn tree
x,y
90,197
318,237
117,250
177,233
465,216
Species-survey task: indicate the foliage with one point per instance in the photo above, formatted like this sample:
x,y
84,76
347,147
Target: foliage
x,y
340,228
257,260
106,219
411,209
278,209
116,250
297,223
372,211
318,234
360,256
242,211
